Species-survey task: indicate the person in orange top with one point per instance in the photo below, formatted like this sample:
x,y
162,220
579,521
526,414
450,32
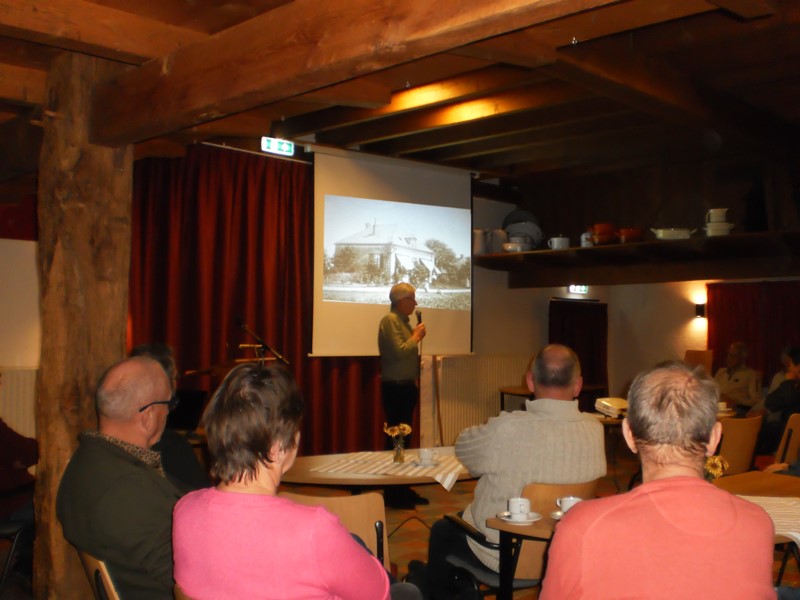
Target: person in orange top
x,y
669,537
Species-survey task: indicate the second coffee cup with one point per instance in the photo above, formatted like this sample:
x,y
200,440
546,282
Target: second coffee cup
x,y
519,508
558,243
428,456
567,502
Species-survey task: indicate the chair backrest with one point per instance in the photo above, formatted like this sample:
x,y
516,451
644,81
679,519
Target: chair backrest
x,y
739,443
179,593
358,514
543,498
790,442
99,578
704,358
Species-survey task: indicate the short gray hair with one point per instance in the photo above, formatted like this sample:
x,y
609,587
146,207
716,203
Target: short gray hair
x,y
673,405
125,386
556,366
401,290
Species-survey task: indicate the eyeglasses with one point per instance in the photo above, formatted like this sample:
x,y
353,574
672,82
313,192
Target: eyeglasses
x,y
171,404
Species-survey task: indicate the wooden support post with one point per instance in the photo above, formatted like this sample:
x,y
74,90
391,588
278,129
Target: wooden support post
x,y
84,256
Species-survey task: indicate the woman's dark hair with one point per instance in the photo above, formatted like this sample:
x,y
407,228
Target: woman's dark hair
x,y
254,408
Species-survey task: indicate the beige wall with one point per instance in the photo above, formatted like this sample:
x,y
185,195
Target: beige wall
x,y
19,305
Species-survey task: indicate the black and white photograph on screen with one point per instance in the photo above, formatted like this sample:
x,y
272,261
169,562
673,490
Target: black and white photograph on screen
x,y
370,245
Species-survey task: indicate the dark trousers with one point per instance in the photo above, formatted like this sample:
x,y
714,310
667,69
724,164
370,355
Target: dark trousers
x,y
399,400
446,539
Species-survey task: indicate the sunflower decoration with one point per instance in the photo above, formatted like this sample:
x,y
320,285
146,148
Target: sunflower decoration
x,y
398,433
715,467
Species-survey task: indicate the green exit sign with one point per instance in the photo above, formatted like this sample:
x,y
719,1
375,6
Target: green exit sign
x,y
276,146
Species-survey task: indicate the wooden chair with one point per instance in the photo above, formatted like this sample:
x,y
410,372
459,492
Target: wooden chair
x,y
790,442
363,514
530,558
738,443
99,578
703,358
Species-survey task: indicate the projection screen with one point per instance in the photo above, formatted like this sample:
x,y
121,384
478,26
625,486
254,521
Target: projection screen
x,y
378,221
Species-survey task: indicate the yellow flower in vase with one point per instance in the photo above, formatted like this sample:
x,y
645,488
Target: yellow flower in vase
x,y
397,433
715,467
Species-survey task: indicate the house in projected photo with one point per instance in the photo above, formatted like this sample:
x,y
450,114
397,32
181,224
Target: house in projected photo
x,y
384,254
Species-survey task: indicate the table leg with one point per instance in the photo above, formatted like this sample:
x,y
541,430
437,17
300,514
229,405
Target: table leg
x,y
506,591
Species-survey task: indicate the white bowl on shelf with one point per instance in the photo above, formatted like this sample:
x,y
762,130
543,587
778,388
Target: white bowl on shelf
x,y
516,247
673,233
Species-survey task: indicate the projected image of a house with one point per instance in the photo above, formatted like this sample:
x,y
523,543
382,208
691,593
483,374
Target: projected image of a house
x,y
385,254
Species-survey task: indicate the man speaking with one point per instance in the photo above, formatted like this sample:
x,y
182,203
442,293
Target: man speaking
x,y
398,345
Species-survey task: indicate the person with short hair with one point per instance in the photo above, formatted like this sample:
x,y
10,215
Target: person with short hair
x,y
177,455
240,539
115,500
550,441
398,346
780,404
738,384
676,535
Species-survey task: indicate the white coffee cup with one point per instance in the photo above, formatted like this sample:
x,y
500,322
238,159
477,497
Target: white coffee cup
x,y
567,502
714,229
519,508
428,456
558,243
716,215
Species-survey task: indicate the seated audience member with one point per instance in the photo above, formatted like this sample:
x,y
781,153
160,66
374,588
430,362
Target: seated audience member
x,y
549,442
115,501
17,453
177,454
676,535
780,376
781,403
738,384
239,539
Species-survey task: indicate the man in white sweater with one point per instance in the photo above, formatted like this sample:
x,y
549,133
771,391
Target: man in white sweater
x,y
549,442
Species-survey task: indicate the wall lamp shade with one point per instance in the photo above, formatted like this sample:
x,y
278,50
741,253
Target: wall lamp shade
x,y
700,311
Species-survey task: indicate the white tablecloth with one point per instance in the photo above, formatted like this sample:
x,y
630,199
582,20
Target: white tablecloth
x,y
446,470
784,512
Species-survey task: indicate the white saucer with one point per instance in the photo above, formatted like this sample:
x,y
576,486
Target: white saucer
x,y
556,515
532,518
416,463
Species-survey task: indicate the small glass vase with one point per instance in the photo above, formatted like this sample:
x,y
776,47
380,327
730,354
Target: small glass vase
x,y
399,455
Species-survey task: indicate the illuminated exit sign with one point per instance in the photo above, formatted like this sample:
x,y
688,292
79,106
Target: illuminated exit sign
x,y
276,146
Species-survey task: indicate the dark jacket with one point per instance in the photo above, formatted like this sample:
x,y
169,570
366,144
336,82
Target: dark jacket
x,y
119,510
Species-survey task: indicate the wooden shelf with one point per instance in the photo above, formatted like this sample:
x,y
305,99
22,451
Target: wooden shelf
x,y
744,255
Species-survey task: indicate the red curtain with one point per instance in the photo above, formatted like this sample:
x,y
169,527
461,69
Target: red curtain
x,y
762,314
221,237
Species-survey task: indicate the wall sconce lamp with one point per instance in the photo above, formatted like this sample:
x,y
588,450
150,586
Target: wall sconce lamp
x,y
700,311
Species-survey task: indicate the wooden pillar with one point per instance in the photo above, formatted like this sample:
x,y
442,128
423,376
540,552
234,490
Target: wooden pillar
x,y
84,256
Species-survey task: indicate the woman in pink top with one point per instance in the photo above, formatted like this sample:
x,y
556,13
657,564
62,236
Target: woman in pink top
x,y
239,540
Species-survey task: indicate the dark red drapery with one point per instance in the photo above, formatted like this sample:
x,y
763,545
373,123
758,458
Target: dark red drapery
x,y
222,236
762,314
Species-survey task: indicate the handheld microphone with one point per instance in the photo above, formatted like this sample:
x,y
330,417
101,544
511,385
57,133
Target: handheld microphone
x,y
419,317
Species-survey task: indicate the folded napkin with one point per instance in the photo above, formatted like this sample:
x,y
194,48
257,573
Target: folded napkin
x,y
445,471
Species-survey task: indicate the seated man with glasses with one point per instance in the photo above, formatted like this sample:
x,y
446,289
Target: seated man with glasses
x,y
115,501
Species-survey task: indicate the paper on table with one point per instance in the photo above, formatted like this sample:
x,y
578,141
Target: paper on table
x,y
446,471
784,512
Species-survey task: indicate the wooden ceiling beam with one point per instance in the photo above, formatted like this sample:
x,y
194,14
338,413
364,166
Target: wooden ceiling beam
x,y
20,85
612,69
461,88
92,28
520,48
472,111
296,48
487,128
566,132
747,9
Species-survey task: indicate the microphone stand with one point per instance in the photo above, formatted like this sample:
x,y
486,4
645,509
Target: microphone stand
x,y
264,344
